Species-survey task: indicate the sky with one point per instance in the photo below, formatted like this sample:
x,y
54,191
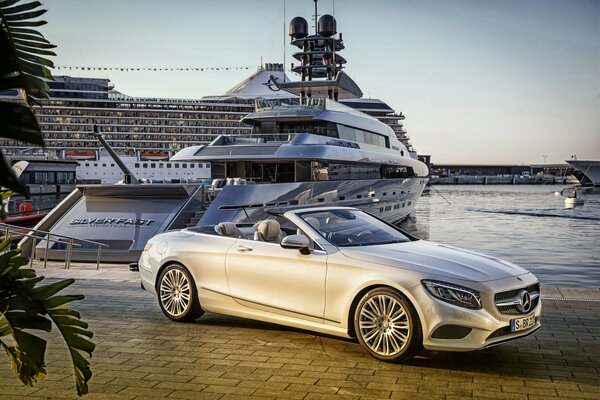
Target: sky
x,y
479,81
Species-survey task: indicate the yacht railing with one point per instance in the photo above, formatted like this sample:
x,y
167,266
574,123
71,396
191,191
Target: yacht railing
x,y
275,104
258,138
15,232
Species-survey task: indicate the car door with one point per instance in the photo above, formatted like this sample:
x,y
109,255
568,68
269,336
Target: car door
x,y
265,276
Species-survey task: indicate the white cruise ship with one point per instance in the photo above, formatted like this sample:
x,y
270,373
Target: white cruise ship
x,y
146,132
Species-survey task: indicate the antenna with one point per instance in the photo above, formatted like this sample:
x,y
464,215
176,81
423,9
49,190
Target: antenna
x,y
284,38
316,17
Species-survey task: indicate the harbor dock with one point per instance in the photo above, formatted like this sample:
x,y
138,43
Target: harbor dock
x,y
141,354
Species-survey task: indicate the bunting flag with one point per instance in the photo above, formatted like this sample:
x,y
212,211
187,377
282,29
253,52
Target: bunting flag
x,y
153,69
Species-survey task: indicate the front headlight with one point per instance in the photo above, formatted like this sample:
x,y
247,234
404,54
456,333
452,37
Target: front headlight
x,y
454,294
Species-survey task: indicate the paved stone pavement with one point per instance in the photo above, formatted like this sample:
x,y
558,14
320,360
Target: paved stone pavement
x,y
141,354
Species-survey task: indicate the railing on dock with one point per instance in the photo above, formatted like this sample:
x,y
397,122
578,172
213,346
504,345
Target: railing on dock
x,y
15,233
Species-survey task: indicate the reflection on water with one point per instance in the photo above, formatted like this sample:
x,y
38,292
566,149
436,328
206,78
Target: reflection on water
x,y
527,225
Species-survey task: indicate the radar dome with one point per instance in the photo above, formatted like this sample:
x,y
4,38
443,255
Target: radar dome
x,y
327,25
298,28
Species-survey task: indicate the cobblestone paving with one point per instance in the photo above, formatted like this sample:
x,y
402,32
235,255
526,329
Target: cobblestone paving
x,y
140,354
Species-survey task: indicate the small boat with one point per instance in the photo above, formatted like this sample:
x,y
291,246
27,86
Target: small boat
x,y
80,154
154,155
26,221
572,197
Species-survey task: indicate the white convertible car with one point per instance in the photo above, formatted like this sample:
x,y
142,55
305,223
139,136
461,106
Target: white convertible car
x,y
343,272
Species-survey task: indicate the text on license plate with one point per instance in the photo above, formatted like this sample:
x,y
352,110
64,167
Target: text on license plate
x,y
522,323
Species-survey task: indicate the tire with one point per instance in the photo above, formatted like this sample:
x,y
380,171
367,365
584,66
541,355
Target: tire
x,y
177,295
387,325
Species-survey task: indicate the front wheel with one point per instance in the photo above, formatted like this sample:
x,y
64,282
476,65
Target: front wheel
x,y
387,325
177,295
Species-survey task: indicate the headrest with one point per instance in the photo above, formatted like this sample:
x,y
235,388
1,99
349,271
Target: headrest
x,y
268,230
313,222
226,229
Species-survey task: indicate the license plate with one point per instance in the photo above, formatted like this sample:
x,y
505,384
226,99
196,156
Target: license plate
x,y
520,324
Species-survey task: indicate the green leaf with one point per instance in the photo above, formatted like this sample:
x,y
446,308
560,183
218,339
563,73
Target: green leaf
x,y
19,123
26,30
76,339
28,320
24,16
21,8
7,3
44,292
30,351
27,353
22,48
33,58
58,301
31,307
19,37
28,23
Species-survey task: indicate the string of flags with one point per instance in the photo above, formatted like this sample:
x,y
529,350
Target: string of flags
x,y
157,69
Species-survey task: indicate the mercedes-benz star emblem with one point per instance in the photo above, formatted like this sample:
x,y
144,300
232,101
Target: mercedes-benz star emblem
x,y
525,304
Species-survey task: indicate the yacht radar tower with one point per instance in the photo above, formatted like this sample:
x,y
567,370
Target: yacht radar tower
x,y
320,66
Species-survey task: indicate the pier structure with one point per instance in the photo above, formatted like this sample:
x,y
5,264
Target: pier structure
x,y
139,354
496,174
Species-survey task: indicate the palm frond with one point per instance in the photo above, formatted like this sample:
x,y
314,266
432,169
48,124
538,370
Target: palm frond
x,y
26,306
24,65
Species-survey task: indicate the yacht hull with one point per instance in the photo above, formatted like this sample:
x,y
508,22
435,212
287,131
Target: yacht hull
x,y
389,199
590,168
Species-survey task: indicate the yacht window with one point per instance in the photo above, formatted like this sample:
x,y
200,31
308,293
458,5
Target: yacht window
x,y
95,164
200,165
87,164
145,165
161,165
137,165
153,165
168,165
104,165
112,165
176,165
360,136
346,133
192,165
207,165
184,165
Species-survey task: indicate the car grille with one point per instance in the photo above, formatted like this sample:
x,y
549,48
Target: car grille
x,y
503,300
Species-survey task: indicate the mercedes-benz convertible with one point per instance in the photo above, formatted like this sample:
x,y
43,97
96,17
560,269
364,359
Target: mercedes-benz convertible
x,y
343,272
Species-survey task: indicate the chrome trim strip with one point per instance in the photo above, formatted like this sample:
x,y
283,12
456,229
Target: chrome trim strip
x,y
511,338
266,305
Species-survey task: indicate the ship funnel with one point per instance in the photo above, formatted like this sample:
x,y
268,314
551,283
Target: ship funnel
x,y
327,25
298,28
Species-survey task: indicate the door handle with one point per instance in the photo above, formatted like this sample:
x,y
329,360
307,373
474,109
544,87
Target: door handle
x,y
244,249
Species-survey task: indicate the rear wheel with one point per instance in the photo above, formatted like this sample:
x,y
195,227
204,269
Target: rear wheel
x,y
177,295
387,325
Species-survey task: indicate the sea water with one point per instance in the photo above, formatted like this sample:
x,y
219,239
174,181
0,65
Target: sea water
x,y
525,224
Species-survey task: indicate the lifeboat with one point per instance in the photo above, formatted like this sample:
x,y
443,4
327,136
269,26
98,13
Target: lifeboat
x,y
154,155
81,154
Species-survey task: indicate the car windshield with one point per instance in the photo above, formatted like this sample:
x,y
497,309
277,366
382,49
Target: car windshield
x,y
345,228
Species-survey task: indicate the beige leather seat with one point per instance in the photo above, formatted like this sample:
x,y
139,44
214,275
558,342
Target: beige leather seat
x,y
312,222
228,229
268,231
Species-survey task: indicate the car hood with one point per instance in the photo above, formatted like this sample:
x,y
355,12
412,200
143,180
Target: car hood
x,y
436,259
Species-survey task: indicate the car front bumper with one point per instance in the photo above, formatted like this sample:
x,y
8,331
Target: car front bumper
x,y
447,327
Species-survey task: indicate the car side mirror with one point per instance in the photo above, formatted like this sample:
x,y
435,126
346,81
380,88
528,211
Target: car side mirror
x,y
298,242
